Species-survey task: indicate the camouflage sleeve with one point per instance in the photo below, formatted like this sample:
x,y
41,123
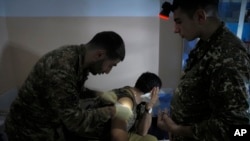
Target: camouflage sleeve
x,y
228,102
64,99
88,93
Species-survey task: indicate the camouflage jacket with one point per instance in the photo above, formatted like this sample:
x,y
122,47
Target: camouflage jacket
x,y
48,101
212,94
104,132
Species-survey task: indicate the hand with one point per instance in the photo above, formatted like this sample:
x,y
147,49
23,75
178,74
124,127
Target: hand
x,y
164,122
111,110
154,95
160,120
109,96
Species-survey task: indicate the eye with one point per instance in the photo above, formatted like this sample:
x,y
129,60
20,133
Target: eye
x,y
178,22
110,66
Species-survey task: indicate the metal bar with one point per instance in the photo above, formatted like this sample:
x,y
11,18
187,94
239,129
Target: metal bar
x,y
241,18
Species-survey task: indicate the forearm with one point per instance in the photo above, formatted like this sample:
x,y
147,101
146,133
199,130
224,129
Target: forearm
x,y
118,130
176,129
81,121
88,93
119,135
199,131
182,131
144,124
146,120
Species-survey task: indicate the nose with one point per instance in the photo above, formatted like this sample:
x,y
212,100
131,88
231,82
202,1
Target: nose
x,y
107,71
176,29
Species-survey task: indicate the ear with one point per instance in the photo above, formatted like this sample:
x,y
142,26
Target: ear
x,y
200,15
100,54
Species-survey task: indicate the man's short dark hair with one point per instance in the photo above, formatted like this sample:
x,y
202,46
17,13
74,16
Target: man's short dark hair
x,y
111,42
147,81
190,6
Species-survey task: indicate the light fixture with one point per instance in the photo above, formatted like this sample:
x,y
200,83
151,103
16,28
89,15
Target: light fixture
x,y
166,8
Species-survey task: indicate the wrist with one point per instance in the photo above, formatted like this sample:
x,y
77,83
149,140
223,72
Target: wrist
x,y
182,130
149,105
175,129
148,110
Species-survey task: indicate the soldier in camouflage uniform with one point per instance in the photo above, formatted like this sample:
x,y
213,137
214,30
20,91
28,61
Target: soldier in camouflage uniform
x,y
48,103
212,94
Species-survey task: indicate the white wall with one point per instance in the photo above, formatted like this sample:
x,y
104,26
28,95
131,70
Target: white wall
x,y
32,37
170,55
34,27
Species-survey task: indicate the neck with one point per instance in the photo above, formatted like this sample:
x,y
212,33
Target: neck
x,y
137,94
212,25
87,58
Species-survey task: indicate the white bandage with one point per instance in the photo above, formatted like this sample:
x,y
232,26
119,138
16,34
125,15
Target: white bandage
x,y
147,97
123,112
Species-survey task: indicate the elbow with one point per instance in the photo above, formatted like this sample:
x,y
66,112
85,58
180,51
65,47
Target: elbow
x,y
142,132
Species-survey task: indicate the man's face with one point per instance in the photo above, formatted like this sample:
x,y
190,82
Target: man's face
x,y
184,25
103,66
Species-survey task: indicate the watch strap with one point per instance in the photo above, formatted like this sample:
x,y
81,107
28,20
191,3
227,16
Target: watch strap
x,y
148,110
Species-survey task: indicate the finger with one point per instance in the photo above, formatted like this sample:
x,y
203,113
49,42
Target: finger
x,y
165,110
155,91
160,113
159,117
152,92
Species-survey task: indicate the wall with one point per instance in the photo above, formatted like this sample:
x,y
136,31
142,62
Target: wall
x,y
170,55
32,37
34,27
72,8
7,80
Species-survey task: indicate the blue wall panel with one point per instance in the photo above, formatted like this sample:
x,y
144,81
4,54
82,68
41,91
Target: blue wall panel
x,y
35,8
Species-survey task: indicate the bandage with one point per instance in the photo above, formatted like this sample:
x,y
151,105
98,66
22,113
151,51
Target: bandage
x,y
147,97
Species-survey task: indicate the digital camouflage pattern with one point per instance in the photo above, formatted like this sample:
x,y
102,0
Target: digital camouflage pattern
x,y
49,100
106,128
213,92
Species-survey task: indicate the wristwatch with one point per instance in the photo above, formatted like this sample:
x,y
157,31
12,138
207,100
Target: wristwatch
x,y
149,111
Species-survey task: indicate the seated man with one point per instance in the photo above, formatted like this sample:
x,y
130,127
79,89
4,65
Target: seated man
x,y
134,115
136,128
